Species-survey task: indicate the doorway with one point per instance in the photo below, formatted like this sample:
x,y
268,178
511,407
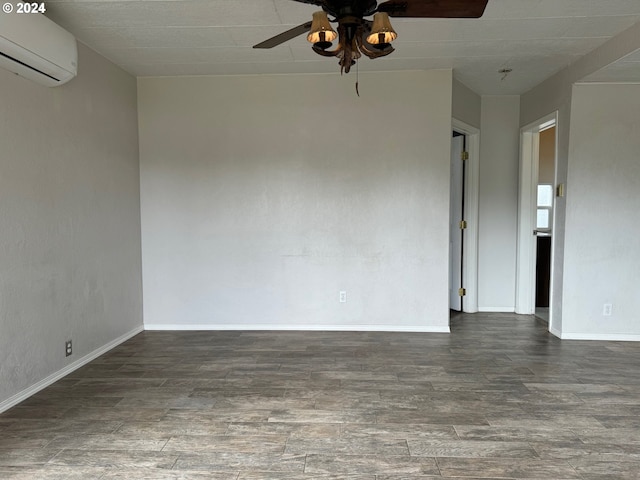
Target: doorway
x,y
536,218
544,219
456,221
463,218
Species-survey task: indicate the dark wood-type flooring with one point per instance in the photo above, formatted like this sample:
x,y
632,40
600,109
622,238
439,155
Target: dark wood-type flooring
x,y
498,398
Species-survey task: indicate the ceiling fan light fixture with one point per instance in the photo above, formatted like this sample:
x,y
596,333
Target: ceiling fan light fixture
x,y
357,36
382,33
321,33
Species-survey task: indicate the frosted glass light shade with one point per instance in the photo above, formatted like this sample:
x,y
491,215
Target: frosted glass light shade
x,y
381,31
321,30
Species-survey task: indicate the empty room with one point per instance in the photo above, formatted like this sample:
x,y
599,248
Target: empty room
x,y
319,239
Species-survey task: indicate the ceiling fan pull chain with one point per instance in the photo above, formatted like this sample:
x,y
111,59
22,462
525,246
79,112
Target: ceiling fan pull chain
x,y
357,78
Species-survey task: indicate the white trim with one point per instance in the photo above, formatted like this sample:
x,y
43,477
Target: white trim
x,y
526,253
288,326
471,196
555,332
554,239
606,337
54,377
542,123
526,244
617,82
510,309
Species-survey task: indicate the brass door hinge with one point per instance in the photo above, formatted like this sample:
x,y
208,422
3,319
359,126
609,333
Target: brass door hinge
x,y
464,156
463,224
462,292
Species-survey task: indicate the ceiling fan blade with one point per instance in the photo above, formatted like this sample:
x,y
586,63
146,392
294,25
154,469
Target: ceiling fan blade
x,y
434,8
284,36
313,2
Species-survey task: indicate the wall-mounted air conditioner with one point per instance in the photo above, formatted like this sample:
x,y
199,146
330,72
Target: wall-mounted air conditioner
x,y
36,48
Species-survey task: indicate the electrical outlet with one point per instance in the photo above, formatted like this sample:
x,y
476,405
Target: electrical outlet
x,y
68,350
343,297
606,309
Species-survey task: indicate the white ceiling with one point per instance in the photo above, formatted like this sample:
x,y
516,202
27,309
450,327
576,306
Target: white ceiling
x,y
535,38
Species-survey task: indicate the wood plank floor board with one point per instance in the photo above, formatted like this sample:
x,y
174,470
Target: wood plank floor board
x,y
507,468
606,470
341,464
26,457
359,445
156,474
109,442
236,462
470,449
120,459
301,476
227,443
50,472
522,433
498,398
167,428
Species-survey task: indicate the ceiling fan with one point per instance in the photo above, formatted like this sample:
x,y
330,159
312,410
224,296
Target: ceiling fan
x,y
356,35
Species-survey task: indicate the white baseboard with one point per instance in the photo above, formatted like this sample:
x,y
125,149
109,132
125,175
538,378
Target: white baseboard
x,y
555,332
54,377
323,328
511,309
607,337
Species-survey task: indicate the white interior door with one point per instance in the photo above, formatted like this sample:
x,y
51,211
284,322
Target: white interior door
x,y
455,216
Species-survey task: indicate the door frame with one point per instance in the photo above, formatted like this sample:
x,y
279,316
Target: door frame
x,y
471,201
456,214
527,191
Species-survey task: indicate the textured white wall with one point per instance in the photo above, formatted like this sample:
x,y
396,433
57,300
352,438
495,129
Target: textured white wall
x,y
70,239
498,203
466,104
602,250
554,94
263,197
